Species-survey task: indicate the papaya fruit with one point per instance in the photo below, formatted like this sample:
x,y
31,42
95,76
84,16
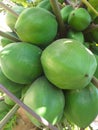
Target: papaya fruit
x,y
8,84
81,106
13,87
63,62
77,35
65,11
20,62
79,19
46,100
41,28
45,4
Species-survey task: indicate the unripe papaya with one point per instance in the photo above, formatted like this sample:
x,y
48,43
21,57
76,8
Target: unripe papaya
x,y
81,105
68,64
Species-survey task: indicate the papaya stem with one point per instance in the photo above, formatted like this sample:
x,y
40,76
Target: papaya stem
x,y
90,6
8,116
29,110
95,81
9,36
56,10
9,9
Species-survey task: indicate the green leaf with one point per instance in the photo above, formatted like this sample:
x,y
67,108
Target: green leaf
x,y
94,4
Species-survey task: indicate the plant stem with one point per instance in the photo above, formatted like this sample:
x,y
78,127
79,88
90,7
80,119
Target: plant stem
x,y
90,6
56,10
29,110
9,9
9,36
8,116
95,81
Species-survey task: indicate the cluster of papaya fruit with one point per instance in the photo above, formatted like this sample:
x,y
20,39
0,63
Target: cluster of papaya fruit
x,y
51,71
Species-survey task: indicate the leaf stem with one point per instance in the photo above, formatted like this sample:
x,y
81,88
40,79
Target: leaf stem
x,y
56,10
90,6
9,9
95,81
29,110
9,36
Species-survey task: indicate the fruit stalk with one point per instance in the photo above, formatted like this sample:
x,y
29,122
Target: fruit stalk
x,y
95,81
8,9
31,112
6,35
8,116
90,6
56,10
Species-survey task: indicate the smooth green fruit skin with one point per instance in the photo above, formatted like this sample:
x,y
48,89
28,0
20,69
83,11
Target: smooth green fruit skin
x,y
81,105
68,64
65,11
11,86
45,4
20,62
10,18
76,35
79,19
8,84
46,100
39,27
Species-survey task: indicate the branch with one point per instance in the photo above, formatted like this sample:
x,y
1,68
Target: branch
x,y
90,6
9,9
56,10
95,81
9,36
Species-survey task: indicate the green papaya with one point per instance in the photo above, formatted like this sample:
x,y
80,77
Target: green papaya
x,y
46,100
39,27
8,84
81,106
13,87
45,4
65,11
20,62
68,64
79,19
75,35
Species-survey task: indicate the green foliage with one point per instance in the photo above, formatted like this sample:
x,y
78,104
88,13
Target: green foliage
x,y
26,2
94,4
11,123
